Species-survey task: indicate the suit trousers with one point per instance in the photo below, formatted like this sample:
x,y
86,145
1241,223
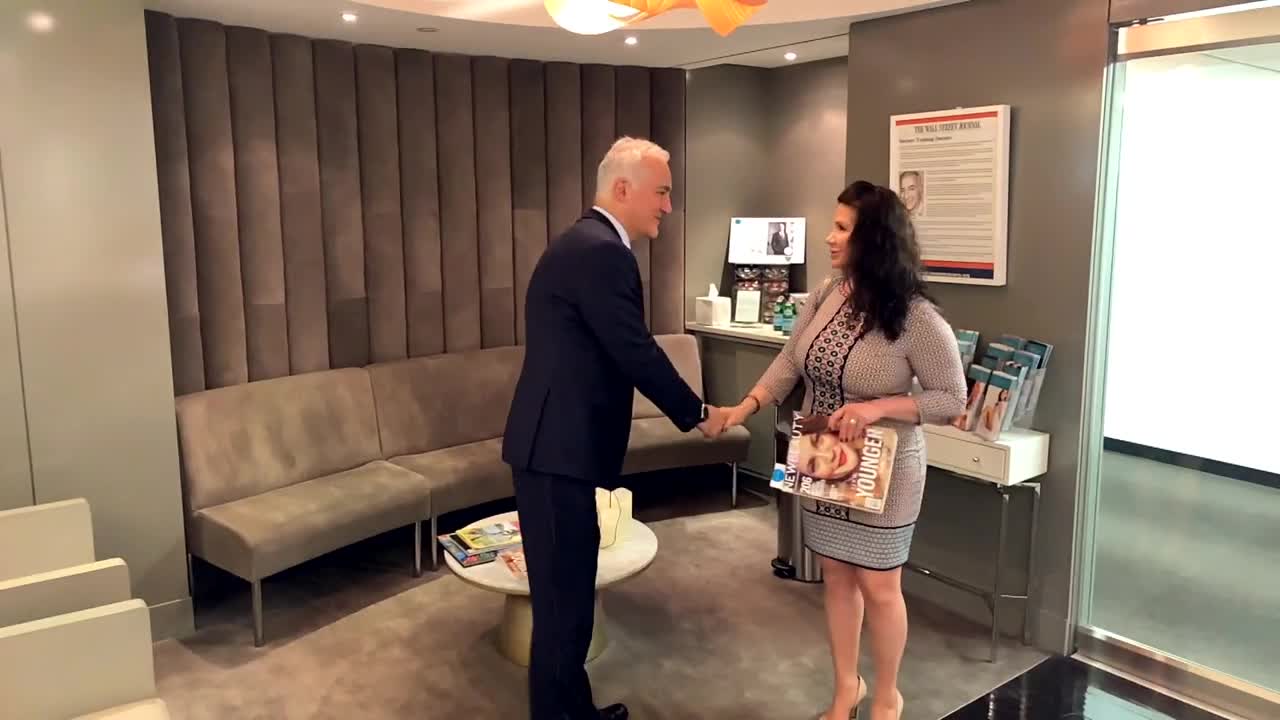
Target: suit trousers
x,y
561,545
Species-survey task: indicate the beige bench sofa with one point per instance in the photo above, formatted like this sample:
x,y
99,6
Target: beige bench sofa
x,y
281,471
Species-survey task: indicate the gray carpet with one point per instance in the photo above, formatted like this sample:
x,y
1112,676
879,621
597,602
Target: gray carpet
x,y
706,632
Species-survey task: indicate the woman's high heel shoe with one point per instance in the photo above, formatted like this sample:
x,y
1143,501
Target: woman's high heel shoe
x,y
862,695
898,715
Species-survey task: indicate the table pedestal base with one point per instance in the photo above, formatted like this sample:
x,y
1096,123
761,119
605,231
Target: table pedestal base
x,y
515,632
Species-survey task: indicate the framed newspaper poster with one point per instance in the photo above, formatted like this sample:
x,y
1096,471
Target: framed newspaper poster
x,y
951,169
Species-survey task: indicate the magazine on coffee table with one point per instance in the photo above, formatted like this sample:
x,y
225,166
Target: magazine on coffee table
x,y
855,474
514,560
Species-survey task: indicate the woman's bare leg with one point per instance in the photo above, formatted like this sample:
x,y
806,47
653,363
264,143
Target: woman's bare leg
x,y
887,632
844,626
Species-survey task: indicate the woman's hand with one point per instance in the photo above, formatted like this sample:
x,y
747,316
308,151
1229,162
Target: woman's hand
x,y
850,420
739,413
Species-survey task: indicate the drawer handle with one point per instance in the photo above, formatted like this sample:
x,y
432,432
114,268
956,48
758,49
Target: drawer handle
x,y
977,459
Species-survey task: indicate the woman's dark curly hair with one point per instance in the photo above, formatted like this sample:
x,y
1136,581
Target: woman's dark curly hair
x,y
884,270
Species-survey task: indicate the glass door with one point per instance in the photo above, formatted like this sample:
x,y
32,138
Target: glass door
x,y
1181,534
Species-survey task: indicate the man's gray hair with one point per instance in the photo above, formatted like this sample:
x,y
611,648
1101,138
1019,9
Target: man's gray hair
x,y
624,158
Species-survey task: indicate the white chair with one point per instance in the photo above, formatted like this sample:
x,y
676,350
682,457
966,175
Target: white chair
x,y
56,592
45,537
47,564
94,663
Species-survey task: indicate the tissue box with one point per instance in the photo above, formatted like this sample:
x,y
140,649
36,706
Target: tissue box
x,y
712,311
613,512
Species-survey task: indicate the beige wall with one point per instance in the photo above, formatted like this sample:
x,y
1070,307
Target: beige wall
x,y
1045,58
727,140
83,224
15,461
808,108
762,142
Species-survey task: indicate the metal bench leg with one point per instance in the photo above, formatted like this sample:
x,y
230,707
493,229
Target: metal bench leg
x,y
257,613
1028,606
995,589
434,545
417,549
733,493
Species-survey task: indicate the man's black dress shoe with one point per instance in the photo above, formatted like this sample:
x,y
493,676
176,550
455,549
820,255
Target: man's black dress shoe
x,y
617,711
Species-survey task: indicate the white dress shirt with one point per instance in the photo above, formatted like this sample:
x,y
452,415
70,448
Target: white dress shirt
x,y
622,232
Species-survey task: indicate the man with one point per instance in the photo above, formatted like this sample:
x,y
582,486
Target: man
x,y
911,190
778,243
587,349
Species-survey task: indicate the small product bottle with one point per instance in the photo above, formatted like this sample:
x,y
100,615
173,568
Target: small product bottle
x,y
778,319
788,317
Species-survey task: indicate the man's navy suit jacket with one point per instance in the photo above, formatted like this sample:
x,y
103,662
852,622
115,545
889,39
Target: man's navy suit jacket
x,y
587,349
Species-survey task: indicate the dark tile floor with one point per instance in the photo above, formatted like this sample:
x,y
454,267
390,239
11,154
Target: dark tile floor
x,y
1061,687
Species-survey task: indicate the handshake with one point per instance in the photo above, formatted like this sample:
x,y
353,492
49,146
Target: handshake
x,y
720,419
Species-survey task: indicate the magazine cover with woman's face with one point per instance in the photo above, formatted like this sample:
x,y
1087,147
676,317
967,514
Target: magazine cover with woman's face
x,y
854,473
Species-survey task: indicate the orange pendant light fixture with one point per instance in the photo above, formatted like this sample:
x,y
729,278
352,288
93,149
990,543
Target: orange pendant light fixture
x,y
594,17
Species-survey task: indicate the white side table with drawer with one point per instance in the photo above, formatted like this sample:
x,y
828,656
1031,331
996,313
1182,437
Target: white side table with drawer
x,y
1016,460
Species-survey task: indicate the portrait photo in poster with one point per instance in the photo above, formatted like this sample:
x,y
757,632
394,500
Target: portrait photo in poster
x,y
766,241
951,169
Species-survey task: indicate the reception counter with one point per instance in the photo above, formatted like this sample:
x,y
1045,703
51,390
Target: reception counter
x,y
733,359
761,335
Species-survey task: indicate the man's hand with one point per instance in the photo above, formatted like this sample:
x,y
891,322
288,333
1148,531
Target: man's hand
x,y
715,422
850,420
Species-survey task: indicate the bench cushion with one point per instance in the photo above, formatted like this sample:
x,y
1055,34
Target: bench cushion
x,y
444,401
656,444
245,440
462,476
259,536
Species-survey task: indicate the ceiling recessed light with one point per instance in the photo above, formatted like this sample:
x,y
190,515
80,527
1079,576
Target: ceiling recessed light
x,y
631,40
41,22
350,17
790,56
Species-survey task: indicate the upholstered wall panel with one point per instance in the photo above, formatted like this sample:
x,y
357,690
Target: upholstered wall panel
x,y
459,235
174,174
301,224
253,128
342,212
213,189
424,296
598,131
493,194
564,146
327,205
380,186
632,119
528,176
666,265
424,284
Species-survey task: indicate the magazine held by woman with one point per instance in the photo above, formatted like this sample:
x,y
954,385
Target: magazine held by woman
x,y
821,466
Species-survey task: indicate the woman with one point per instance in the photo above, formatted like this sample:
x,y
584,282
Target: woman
x,y
857,344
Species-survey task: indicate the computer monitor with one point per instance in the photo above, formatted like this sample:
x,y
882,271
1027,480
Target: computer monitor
x,y
766,241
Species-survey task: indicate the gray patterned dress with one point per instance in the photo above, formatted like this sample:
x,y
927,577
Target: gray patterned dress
x,y
839,368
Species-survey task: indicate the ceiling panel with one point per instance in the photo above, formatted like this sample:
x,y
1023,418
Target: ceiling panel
x,y
757,43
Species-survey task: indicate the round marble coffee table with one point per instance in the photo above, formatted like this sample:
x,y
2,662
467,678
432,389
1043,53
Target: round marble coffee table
x,y
624,560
